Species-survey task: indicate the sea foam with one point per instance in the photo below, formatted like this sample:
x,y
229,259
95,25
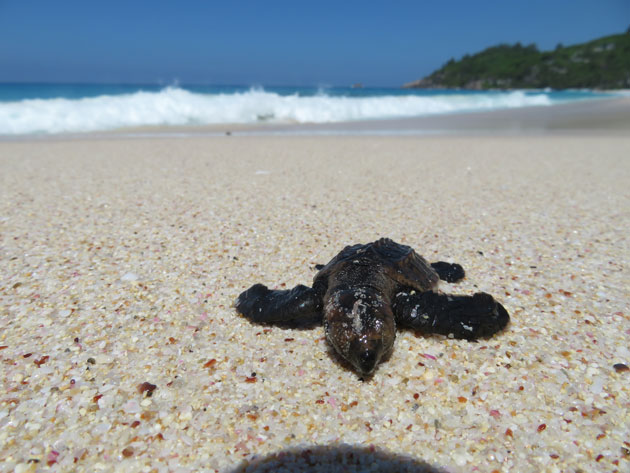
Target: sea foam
x,y
177,106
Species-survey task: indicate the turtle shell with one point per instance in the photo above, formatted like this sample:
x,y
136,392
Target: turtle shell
x,y
400,262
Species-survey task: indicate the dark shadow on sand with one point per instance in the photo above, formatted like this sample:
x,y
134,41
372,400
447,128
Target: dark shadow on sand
x,y
335,458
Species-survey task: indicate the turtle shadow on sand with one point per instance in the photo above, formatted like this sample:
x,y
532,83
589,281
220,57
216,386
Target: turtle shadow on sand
x,y
335,458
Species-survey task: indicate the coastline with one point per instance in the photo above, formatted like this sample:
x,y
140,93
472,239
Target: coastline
x,y
603,116
121,259
597,115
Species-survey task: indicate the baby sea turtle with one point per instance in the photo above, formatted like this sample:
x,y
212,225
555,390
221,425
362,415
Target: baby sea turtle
x,y
366,291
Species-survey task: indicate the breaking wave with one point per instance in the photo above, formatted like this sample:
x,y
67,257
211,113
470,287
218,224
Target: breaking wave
x,y
177,106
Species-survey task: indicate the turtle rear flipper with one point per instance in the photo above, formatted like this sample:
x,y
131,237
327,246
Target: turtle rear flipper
x,y
262,305
468,317
449,272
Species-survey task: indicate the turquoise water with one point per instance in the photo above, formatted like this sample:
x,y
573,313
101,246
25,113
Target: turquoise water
x,y
59,108
10,92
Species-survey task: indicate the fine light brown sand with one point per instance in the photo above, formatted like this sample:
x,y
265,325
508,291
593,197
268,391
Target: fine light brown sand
x,y
120,260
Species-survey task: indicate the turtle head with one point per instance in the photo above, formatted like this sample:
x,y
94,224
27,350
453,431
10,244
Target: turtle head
x,y
365,354
360,326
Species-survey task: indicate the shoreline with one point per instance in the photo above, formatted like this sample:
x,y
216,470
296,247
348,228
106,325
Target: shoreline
x,y
600,116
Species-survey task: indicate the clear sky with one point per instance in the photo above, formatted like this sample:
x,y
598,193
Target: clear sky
x,y
284,42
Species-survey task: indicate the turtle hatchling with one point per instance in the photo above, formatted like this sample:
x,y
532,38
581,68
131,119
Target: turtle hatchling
x,y
367,291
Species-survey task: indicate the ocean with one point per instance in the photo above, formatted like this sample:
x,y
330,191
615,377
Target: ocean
x,y
70,108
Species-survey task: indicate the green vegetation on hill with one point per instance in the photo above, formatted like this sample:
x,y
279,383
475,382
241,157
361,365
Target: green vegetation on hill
x,y
603,63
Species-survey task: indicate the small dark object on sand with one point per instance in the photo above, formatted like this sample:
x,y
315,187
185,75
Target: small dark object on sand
x,y
366,291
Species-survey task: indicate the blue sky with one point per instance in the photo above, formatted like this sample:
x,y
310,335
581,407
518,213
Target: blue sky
x,y
278,42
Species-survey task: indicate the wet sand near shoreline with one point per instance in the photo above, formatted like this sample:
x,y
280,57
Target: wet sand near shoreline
x,y
601,116
608,117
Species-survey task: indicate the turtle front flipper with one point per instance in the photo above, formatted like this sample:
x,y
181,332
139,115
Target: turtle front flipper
x,y
262,305
449,272
468,317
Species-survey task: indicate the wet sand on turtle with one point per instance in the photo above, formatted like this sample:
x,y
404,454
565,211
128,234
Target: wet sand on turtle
x,y
120,260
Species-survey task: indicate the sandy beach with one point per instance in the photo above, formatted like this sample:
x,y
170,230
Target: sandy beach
x,y
120,260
